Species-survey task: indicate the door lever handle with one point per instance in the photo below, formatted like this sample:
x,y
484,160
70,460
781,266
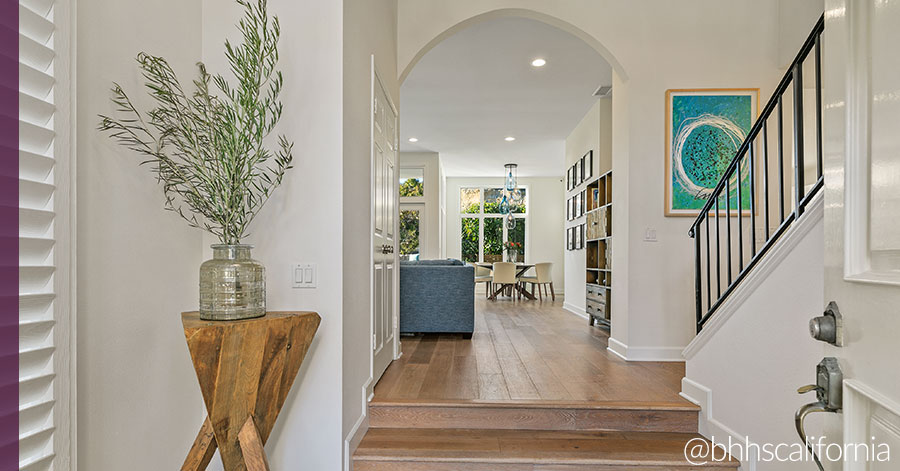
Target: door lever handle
x,y
829,380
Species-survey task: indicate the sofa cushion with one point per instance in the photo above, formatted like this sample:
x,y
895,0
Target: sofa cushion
x,y
441,262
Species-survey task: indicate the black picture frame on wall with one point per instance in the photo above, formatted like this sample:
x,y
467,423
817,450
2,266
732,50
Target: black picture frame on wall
x,y
569,238
588,164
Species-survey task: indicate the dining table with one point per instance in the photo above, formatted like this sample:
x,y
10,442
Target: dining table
x,y
521,268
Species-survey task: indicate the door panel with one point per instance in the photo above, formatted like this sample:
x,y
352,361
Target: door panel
x,y
862,213
384,250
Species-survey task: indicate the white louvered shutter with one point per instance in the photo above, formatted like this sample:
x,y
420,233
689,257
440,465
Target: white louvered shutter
x,y
45,360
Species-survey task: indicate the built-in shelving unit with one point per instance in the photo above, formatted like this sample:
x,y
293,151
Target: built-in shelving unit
x,y
598,247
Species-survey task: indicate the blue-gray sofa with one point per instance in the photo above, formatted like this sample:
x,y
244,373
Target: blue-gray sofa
x,y
437,296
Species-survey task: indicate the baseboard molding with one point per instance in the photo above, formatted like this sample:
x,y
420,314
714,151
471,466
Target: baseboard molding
x,y
788,241
360,427
353,438
618,348
644,353
709,426
580,312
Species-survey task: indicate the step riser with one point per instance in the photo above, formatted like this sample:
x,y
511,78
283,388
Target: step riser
x,y
360,465
533,419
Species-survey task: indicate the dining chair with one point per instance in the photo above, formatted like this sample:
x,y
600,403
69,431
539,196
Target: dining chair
x,y
504,278
483,275
543,278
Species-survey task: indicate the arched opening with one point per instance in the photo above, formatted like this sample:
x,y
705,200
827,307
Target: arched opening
x,y
474,98
519,13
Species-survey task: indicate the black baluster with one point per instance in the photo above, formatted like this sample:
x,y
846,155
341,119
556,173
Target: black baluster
x,y
728,224
752,201
765,130
740,211
781,156
798,138
697,282
718,254
708,281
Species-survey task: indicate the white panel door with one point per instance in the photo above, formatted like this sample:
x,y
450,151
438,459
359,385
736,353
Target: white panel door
x,y
862,217
385,253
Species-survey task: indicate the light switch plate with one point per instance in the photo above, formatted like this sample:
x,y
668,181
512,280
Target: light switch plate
x,y
650,235
304,275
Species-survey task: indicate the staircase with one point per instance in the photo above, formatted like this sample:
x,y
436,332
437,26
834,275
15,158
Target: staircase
x,y
760,195
465,435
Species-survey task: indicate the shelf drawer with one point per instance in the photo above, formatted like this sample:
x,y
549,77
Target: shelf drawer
x,y
596,293
596,309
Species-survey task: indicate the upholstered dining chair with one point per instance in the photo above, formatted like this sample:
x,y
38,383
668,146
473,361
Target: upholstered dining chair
x,y
543,278
504,278
483,275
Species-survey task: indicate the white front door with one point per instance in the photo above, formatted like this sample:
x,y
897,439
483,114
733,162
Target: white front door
x,y
384,253
862,219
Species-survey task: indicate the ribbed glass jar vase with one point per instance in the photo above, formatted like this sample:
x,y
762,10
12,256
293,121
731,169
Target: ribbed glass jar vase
x,y
232,285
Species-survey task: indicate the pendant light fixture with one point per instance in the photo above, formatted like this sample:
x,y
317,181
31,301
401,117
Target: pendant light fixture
x,y
512,176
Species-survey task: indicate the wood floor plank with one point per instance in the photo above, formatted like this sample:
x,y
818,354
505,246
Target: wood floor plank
x,y
525,350
591,450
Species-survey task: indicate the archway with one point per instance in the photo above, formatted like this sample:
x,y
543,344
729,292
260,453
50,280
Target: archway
x,y
518,13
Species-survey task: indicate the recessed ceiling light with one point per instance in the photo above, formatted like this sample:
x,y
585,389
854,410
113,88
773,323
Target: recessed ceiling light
x,y
413,139
509,139
538,62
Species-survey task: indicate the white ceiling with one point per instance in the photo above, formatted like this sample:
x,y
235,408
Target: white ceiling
x,y
478,86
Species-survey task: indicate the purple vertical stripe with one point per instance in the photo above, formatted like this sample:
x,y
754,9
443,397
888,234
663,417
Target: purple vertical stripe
x,y
9,235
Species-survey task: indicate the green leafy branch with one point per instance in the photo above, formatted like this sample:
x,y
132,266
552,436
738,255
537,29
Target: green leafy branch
x,y
207,151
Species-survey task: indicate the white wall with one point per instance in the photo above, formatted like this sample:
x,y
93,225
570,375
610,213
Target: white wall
x,y
302,223
653,46
139,405
369,29
431,226
746,365
593,133
546,214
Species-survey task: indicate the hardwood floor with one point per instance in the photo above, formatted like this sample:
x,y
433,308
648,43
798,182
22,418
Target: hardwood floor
x,y
525,351
535,389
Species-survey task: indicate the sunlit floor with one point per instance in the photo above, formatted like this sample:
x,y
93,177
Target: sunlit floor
x,y
525,350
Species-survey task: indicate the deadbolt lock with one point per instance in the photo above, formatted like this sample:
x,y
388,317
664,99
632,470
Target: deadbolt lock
x,y
828,327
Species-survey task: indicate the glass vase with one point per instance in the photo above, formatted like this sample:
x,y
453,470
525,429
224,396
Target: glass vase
x,y
232,285
512,256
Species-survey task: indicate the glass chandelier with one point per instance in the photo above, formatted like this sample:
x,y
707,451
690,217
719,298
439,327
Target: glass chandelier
x,y
510,197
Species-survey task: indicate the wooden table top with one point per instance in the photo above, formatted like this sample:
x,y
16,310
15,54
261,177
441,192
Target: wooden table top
x,y
491,265
192,319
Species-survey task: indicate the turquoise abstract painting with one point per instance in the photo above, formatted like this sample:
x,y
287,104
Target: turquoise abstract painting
x,y
704,130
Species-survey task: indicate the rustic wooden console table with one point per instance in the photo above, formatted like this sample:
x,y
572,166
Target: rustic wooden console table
x,y
246,369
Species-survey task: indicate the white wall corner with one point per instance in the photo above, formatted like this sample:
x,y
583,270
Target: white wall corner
x,y
767,264
575,309
618,348
711,428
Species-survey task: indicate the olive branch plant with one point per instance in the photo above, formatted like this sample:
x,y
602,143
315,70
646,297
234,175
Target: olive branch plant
x,y
208,150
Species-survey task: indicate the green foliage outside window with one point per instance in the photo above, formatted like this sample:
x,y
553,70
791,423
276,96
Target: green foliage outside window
x,y
470,200
409,232
493,239
412,187
517,235
470,239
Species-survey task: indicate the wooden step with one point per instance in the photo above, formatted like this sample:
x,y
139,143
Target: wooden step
x,y
540,415
391,449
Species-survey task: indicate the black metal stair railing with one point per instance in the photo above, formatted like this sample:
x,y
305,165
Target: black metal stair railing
x,y
713,281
